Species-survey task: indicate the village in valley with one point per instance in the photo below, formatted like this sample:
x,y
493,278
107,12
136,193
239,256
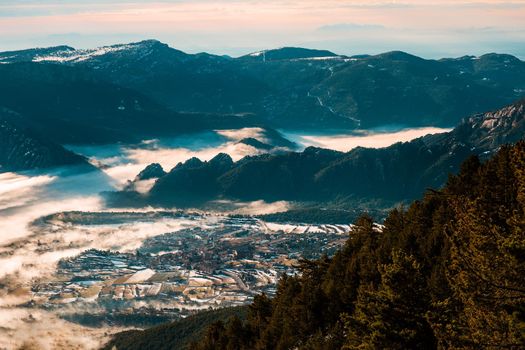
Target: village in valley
x,y
225,262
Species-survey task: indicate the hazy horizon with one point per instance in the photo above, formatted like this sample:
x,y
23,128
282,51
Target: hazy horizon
x,y
240,54
431,29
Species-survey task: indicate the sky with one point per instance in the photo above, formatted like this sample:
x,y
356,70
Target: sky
x,y
428,28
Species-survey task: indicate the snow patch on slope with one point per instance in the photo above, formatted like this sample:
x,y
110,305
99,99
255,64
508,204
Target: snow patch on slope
x,y
79,55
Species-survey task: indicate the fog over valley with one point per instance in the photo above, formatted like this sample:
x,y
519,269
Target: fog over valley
x,y
370,139
31,248
123,162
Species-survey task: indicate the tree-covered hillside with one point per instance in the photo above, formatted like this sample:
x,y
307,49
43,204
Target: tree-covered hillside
x,y
176,335
21,148
447,272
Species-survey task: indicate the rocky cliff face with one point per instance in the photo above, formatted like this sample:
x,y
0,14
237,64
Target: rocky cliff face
x,y
489,130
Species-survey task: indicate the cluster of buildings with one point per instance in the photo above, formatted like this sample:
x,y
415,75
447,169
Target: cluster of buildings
x,y
195,268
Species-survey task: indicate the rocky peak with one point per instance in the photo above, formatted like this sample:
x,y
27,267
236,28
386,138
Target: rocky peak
x,y
193,162
253,142
152,171
221,158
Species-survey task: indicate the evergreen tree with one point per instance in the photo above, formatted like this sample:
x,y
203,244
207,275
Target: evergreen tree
x,y
488,255
392,316
447,273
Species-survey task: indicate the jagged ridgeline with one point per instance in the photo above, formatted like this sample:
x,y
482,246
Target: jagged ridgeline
x,y
448,272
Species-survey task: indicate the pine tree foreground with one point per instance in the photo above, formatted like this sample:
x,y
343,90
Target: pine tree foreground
x,y
447,273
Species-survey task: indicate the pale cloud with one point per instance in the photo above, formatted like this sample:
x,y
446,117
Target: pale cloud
x,y
350,27
345,143
29,328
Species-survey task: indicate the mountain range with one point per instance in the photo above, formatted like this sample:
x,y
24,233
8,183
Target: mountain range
x,y
130,92
409,282
293,88
396,173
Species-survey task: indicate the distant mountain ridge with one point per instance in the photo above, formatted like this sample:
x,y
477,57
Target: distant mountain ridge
x,y
396,173
288,53
303,88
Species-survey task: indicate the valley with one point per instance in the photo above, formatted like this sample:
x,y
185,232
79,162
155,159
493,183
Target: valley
x,y
211,261
140,184
69,259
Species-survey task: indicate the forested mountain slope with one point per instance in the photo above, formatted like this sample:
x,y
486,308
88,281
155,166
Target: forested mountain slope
x,y
21,148
72,105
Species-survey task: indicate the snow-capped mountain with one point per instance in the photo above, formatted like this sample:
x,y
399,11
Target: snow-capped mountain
x,y
67,54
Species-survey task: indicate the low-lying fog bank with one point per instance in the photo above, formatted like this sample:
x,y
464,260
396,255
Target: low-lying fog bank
x,y
378,138
28,253
124,162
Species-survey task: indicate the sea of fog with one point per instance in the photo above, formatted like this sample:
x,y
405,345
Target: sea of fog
x,y
25,197
375,138
124,162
